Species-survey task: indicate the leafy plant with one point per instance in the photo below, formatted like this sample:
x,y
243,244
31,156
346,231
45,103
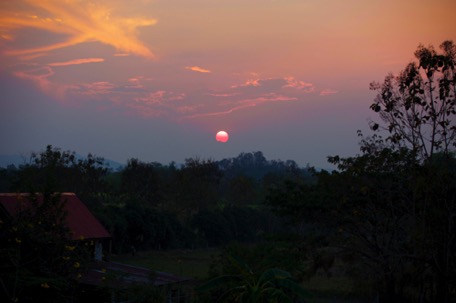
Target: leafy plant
x,y
246,286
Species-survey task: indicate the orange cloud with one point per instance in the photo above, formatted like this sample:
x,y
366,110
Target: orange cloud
x,y
77,61
32,56
6,37
197,69
80,21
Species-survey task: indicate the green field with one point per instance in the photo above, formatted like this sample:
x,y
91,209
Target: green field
x,y
188,263
196,263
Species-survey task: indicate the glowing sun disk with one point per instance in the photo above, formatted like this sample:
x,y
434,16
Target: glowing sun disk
x,y
222,136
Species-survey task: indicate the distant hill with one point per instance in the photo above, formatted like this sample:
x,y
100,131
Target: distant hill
x,y
115,166
18,160
15,160
256,166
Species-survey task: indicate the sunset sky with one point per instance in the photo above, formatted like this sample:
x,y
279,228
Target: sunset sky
x,y
156,79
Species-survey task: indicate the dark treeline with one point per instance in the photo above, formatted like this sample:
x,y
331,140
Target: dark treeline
x,y
146,206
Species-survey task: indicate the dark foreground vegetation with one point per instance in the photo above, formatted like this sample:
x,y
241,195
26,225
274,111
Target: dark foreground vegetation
x,y
384,220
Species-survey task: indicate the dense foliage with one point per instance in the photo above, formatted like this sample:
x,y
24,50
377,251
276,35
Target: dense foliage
x,y
245,285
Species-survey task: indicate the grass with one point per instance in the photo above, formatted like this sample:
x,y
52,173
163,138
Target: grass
x,y
338,289
187,263
195,264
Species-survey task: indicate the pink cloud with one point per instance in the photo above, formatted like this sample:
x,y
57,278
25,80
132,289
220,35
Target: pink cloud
x,y
251,82
252,93
244,103
158,103
77,62
222,94
134,83
300,85
277,84
328,91
145,111
145,97
96,88
187,109
138,81
40,77
155,98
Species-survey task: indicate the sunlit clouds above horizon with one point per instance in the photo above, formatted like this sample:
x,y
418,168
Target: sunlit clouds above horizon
x,y
78,21
207,65
68,24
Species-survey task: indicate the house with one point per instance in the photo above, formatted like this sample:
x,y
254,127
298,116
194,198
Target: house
x,y
101,272
81,222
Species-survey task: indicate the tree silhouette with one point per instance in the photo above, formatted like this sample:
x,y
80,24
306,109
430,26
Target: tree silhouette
x,y
418,106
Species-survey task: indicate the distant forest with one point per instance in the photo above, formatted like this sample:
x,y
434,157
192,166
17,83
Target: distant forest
x,y
201,203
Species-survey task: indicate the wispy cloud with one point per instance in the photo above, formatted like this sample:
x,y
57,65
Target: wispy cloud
x,y
252,93
158,103
141,96
79,21
242,104
6,37
328,91
40,77
147,97
223,95
250,82
299,85
277,84
197,69
96,88
77,62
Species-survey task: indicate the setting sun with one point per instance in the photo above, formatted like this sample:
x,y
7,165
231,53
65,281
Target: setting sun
x,y
222,136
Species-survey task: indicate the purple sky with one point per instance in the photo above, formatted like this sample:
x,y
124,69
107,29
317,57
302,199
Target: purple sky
x,y
156,79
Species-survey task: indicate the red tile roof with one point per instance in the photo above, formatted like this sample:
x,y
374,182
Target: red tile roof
x,y
81,221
